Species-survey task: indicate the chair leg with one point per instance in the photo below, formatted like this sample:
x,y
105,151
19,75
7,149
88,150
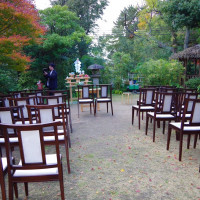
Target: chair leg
x,y
3,188
95,111
94,108
68,135
158,124
67,156
132,115
168,137
139,119
142,116
154,129
90,108
16,190
177,136
163,127
26,188
10,190
180,146
107,107
78,110
111,107
147,124
70,122
188,141
62,185
195,140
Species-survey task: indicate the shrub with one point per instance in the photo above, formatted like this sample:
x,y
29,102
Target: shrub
x,y
8,80
161,72
193,83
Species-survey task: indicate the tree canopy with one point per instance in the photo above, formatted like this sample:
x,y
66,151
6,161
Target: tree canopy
x,y
19,26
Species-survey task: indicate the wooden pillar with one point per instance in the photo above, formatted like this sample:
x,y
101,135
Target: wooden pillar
x,y
195,63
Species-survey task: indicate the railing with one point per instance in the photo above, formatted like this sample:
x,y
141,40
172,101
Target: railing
x,y
192,76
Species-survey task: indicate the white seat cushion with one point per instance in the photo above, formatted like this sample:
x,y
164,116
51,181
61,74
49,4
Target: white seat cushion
x,y
103,99
186,128
50,159
161,115
85,100
12,140
15,114
187,115
52,138
4,163
144,107
64,110
26,122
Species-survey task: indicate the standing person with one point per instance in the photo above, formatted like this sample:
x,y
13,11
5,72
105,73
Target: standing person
x,y
51,77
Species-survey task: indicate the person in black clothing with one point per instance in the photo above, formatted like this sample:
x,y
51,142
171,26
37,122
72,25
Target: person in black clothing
x,y
51,77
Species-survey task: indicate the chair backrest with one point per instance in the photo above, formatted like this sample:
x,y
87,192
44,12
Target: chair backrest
x,y
146,96
7,116
195,116
31,146
22,102
86,92
164,102
105,90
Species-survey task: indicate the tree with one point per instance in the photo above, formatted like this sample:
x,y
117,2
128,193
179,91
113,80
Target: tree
x,y
88,11
181,14
60,44
19,26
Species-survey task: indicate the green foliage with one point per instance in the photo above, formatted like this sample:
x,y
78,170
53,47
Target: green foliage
x,y
193,83
117,92
60,44
88,11
161,72
181,13
118,83
122,64
27,81
8,80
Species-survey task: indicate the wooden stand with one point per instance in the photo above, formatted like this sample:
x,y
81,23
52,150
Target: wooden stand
x,y
95,91
73,81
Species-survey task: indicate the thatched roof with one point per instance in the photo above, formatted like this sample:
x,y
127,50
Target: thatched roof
x,y
187,54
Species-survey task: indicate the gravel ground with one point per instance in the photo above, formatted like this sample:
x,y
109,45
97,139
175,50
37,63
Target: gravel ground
x,y
113,160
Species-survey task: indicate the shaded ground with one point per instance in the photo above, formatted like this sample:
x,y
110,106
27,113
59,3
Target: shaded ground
x,y
113,160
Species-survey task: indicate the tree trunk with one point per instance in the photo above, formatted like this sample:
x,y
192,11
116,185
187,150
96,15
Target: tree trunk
x,y
187,36
174,42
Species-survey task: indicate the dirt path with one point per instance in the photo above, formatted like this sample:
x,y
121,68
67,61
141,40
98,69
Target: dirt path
x,y
113,160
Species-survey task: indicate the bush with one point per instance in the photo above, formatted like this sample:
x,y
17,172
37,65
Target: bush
x,y
161,72
117,92
8,80
193,83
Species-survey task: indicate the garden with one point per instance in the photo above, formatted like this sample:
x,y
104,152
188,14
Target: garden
x,y
155,44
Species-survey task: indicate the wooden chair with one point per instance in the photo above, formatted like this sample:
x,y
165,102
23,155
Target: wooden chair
x,y
23,102
52,100
7,117
105,96
46,114
3,171
35,164
163,111
145,103
86,96
189,128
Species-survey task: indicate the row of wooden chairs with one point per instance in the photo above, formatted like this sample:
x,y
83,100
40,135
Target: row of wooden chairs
x,y
35,164
168,106
86,96
25,117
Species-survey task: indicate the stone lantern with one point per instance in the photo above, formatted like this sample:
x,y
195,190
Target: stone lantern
x,y
95,73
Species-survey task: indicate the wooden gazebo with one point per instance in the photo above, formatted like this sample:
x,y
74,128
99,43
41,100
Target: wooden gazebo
x,y
189,54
